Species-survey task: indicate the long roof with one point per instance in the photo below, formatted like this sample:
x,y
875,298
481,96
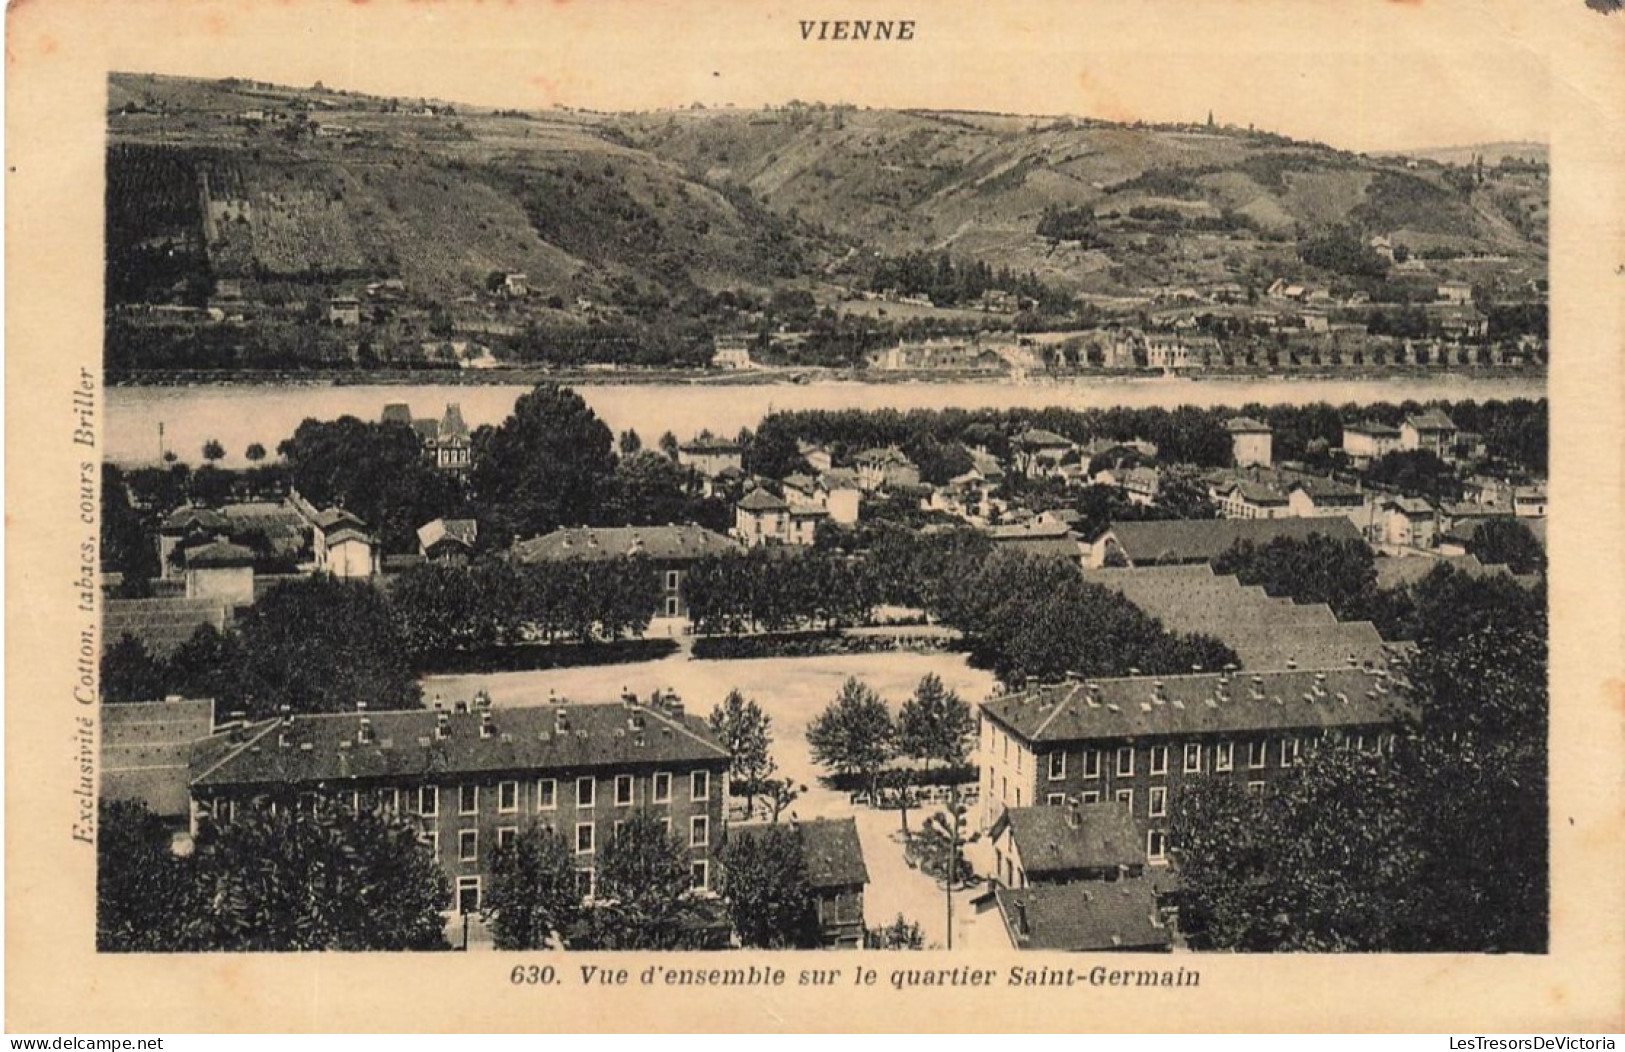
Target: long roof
x,y
1246,425
1202,540
760,499
669,543
1199,703
405,744
1075,836
833,851
1084,916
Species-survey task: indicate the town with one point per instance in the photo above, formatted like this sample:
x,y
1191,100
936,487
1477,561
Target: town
x,y
1260,677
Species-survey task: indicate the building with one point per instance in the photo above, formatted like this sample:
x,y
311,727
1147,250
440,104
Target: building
x,y
835,872
1315,497
1458,292
1066,841
446,439
1084,917
343,546
1407,522
472,778
1202,540
672,549
731,352
711,456
448,540
886,468
1431,431
1244,498
221,570
843,495
761,518
1249,441
344,311
184,526
1137,741
1368,440
1046,539
148,750
1038,452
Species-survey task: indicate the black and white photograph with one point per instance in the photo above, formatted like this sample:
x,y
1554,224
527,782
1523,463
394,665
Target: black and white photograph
x,y
1095,524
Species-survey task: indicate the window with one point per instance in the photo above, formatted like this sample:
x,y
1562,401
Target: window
x,y
584,883
1126,796
430,838
699,831
1291,749
662,787
506,835
1157,807
1055,799
702,874
1156,846
1256,788
671,580
1255,754
429,800
1057,766
1091,796
547,794
1091,763
468,845
1224,756
1159,759
1193,758
672,606
468,799
468,894
623,790
584,792
390,800
699,785
584,838
507,797
1018,759
1018,796
1125,761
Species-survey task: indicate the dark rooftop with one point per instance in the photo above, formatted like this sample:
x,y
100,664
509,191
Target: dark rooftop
x,y
1083,917
1075,836
608,542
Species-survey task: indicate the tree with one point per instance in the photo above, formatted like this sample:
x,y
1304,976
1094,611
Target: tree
x,y
543,467
765,884
130,673
213,451
741,725
255,452
854,735
629,442
668,445
320,877
935,724
533,899
1509,543
644,899
322,645
900,934
145,899
1315,569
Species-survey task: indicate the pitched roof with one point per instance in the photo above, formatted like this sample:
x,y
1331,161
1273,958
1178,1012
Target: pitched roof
x,y
161,625
1372,427
458,531
883,456
833,851
332,517
1246,425
1202,540
187,518
1409,506
1038,438
147,750
219,553
608,542
404,745
712,446
1085,916
1200,703
839,478
1075,836
452,428
396,413
799,482
1432,420
760,499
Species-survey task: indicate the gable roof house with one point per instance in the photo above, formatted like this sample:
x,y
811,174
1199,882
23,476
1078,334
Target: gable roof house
x,y
1065,842
1202,540
448,540
1432,431
672,549
1084,918
836,873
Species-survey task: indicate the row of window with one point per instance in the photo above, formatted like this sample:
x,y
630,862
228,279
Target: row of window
x,y
468,840
1222,758
469,888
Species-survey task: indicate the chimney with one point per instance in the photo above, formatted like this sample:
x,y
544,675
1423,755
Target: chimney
x,y
487,724
674,704
1074,816
282,740
1022,927
363,734
482,699
442,725
561,721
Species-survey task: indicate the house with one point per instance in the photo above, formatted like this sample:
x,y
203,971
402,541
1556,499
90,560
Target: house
x,y
1050,539
344,311
1369,440
817,456
711,456
1431,431
185,526
448,540
221,570
801,491
472,778
1407,522
1138,741
1243,498
761,518
842,495
343,546
1038,452
1084,918
1065,840
1459,292
1167,352
1457,321
1314,497
1529,502
885,467
836,874
515,285
1141,485
446,440
672,549
731,352
1249,441
1172,541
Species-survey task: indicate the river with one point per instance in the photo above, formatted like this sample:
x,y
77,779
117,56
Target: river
x,y
237,415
